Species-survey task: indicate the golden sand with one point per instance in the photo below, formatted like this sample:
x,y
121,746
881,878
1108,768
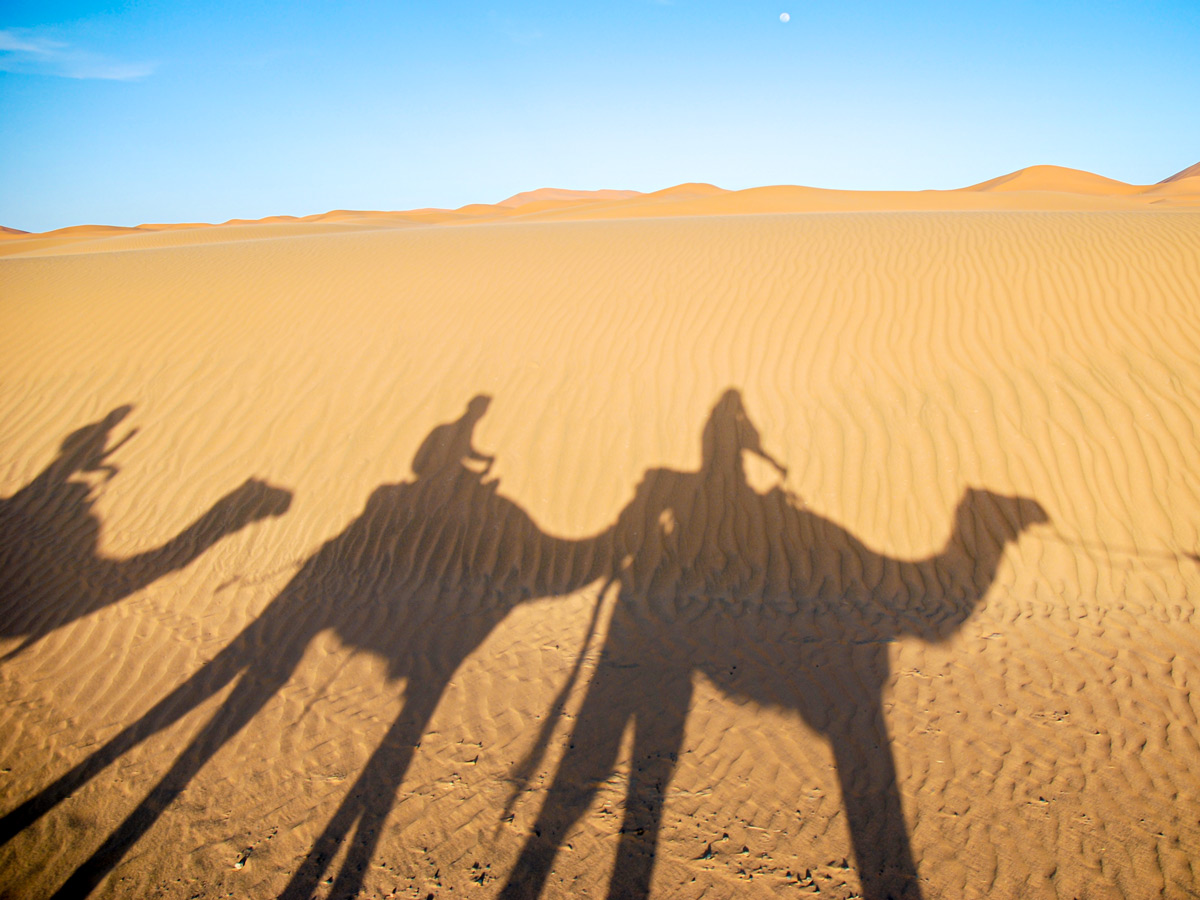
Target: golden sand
x,y
699,543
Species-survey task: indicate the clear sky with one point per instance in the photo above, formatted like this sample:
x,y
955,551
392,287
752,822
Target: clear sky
x,y
123,113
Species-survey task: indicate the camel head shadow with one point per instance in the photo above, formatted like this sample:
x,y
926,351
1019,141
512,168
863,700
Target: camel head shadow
x,y
985,525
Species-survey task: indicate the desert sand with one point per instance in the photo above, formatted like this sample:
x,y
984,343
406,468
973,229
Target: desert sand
x,y
690,544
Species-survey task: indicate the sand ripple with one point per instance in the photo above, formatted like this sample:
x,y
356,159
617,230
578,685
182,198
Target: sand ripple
x,y
274,592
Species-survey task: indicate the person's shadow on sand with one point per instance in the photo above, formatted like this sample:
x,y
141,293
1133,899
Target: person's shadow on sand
x,y
420,579
770,602
50,571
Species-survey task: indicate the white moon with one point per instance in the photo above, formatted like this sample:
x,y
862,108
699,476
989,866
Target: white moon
x,y
784,17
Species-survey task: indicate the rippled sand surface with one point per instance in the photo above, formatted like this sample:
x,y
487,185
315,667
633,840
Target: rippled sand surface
x,y
699,555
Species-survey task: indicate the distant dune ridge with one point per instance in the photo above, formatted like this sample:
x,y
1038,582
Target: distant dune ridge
x,y
1189,172
1036,187
558,195
687,544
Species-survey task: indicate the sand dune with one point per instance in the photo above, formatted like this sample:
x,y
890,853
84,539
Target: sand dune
x,y
1058,179
1047,188
702,555
558,195
1189,172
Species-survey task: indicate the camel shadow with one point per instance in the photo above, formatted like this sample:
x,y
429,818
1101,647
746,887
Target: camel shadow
x,y
420,578
764,598
50,570
770,602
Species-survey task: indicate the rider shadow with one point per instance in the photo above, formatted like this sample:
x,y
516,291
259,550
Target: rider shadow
x,y
772,603
50,571
420,578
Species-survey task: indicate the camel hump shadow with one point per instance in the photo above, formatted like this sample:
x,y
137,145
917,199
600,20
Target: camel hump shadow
x,y
446,550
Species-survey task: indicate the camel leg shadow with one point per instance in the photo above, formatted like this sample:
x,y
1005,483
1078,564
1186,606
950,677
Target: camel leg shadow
x,y
867,777
366,805
656,702
212,677
248,697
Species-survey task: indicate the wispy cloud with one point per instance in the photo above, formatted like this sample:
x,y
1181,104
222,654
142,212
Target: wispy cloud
x,y
26,52
13,42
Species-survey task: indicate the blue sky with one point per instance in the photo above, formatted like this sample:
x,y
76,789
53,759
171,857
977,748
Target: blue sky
x,y
123,113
